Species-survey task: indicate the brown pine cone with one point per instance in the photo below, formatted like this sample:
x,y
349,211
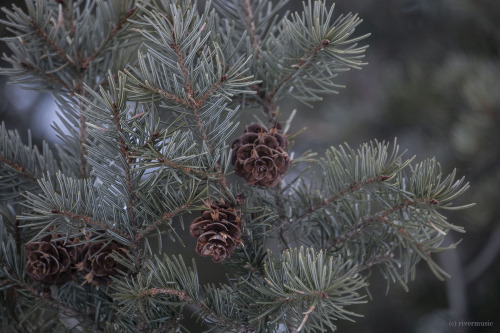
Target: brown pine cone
x,y
259,155
218,231
98,262
50,261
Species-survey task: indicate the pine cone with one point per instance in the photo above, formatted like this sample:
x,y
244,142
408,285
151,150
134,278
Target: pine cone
x,y
218,231
98,262
50,261
259,155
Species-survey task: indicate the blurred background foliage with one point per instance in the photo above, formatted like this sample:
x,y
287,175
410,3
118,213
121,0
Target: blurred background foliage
x,y
433,81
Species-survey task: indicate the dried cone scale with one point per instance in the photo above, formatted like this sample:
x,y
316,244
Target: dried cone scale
x,y
259,155
217,231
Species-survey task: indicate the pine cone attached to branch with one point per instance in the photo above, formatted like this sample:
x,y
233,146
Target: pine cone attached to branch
x,y
218,231
259,155
50,261
99,263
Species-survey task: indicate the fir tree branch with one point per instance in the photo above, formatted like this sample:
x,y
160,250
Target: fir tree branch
x,y
83,140
186,169
184,297
174,292
383,218
249,20
187,81
166,217
268,102
130,201
329,201
48,77
375,261
284,221
85,62
68,5
195,105
53,44
90,221
19,168
379,217
209,92
126,169
165,94
47,298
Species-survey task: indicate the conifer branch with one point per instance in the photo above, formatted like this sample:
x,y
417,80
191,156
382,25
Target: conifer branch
x,y
48,299
187,169
383,218
19,168
195,105
166,217
303,63
332,199
147,170
124,150
68,5
48,76
53,44
83,140
284,224
85,62
249,20
174,292
375,261
93,222
167,95
184,297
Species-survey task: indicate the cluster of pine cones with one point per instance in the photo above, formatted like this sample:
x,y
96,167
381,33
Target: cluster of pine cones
x,y
259,156
52,260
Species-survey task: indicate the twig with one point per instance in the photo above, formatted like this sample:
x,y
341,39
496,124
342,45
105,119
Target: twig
x,y
158,291
126,168
208,93
88,220
186,169
183,296
165,217
379,217
251,27
340,194
85,63
49,77
83,140
267,102
195,105
284,222
46,297
19,168
167,95
53,44
375,261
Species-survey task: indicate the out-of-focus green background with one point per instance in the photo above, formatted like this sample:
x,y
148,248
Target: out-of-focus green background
x,y
433,81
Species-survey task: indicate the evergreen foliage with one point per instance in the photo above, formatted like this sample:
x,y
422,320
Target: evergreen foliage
x,y
150,92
